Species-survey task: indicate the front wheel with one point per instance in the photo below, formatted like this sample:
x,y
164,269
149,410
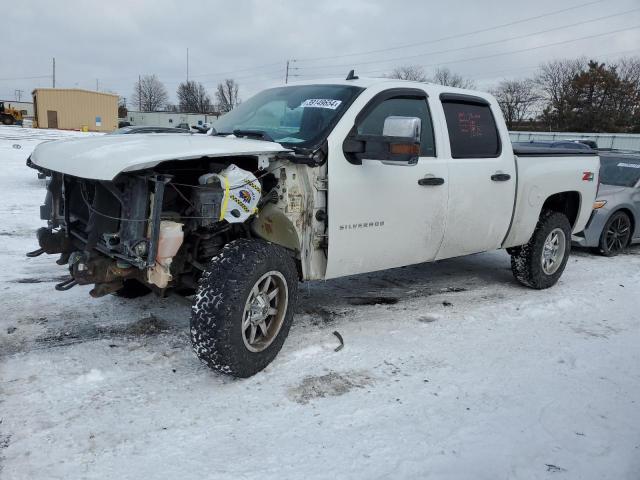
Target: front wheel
x,y
244,307
615,235
540,263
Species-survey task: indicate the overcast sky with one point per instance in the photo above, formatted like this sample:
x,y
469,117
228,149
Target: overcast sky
x,y
114,41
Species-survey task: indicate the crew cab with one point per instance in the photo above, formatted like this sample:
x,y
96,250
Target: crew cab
x,y
309,181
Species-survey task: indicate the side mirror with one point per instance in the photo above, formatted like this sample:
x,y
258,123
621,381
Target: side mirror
x,y
399,143
407,127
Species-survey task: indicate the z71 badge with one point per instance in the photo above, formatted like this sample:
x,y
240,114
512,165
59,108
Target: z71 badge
x,y
588,176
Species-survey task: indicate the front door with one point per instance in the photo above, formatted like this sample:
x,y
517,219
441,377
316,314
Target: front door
x,y
384,215
52,119
482,177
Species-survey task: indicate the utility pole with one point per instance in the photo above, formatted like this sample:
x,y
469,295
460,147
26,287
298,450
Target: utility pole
x,y
139,94
54,72
97,85
18,94
187,64
288,70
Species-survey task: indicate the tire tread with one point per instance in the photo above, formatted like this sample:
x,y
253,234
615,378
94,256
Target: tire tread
x,y
220,299
525,260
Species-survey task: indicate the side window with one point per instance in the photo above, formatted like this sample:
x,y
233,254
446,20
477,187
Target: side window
x,y
373,123
472,130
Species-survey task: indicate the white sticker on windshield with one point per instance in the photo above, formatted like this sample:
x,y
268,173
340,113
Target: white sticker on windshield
x,y
629,165
321,103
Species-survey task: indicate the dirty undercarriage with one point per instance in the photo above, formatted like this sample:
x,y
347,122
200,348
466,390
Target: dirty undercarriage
x,y
115,234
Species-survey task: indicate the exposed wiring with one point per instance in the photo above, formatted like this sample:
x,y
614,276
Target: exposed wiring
x,y
181,195
235,187
83,193
174,186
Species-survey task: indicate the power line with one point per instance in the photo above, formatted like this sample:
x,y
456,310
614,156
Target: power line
x,y
231,72
450,37
510,52
216,76
25,78
493,42
620,52
599,56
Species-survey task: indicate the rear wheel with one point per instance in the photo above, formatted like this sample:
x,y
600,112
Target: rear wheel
x,y
7,119
540,263
244,307
615,234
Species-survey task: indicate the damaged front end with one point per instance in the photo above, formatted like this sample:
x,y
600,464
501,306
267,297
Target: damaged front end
x,y
154,227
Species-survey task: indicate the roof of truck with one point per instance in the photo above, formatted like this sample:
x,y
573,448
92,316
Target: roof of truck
x,y
367,82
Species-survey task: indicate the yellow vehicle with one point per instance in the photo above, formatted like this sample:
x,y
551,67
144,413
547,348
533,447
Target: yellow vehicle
x,y
9,115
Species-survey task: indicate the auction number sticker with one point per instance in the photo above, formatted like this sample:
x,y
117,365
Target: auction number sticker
x,y
321,103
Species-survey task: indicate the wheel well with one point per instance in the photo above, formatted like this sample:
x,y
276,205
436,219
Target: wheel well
x,y
632,219
564,202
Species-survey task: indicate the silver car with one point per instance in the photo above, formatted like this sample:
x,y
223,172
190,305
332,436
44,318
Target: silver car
x,y
614,222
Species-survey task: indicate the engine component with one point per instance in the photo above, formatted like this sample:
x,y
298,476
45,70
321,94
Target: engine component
x,y
102,271
169,242
208,201
241,192
53,242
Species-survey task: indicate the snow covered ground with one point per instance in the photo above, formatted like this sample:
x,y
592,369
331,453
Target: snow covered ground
x,y
449,371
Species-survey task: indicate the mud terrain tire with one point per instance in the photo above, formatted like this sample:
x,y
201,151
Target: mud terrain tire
x,y
527,261
219,315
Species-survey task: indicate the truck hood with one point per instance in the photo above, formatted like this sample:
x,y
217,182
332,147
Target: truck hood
x,y
104,157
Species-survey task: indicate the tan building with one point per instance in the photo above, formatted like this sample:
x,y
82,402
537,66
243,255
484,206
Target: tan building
x,y
75,109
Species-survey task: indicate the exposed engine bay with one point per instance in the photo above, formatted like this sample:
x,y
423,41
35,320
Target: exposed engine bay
x,y
157,227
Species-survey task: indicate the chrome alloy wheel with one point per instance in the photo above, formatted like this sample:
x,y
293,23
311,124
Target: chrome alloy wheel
x,y
553,251
264,311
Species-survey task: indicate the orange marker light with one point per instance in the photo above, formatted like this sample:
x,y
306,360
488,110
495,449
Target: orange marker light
x,y
404,149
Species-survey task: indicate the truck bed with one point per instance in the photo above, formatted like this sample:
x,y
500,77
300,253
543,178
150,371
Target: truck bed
x,y
552,152
544,171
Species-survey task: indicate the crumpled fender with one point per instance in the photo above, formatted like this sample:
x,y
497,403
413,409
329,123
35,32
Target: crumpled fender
x,y
273,225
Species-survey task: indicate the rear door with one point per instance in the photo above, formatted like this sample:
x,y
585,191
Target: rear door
x,y
384,215
482,176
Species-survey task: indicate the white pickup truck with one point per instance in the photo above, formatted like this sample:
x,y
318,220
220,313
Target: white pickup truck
x,y
304,182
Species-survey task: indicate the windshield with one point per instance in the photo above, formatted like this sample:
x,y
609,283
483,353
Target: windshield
x,y
297,116
622,171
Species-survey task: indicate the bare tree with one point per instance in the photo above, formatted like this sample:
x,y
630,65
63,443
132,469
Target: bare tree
x,y
517,99
555,82
444,76
409,72
628,99
227,95
122,107
149,94
193,98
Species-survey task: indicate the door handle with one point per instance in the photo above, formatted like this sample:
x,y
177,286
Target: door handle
x,y
500,177
431,181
